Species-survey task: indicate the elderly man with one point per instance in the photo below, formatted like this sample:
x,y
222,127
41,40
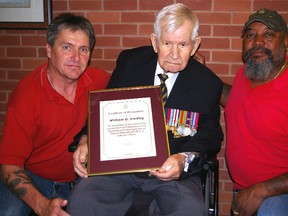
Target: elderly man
x,y
192,87
256,119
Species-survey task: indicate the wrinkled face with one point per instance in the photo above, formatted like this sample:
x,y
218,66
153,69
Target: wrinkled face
x,y
175,48
70,54
263,50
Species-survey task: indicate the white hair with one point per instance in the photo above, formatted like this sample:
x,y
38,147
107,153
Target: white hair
x,y
173,16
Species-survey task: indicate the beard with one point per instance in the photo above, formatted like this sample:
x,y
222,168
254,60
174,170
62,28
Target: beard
x,y
255,70
260,71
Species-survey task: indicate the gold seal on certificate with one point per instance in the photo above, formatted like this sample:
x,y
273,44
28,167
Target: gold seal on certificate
x,y
126,130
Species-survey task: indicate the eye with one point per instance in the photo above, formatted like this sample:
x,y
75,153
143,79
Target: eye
x,y
66,47
182,45
250,35
269,34
167,44
84,50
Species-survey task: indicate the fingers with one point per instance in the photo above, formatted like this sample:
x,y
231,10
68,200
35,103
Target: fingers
x,y
56,207
80,160
167,172
164,175
64,203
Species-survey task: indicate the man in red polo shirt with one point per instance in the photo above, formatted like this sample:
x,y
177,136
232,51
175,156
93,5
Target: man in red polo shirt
x,y
256,119
45,111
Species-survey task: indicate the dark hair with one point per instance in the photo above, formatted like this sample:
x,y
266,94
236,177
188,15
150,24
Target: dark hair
x,y
72,22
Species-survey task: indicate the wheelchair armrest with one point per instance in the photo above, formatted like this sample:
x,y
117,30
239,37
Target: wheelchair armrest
x,y
211,163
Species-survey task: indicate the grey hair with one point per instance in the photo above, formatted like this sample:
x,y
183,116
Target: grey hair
x,y
174,16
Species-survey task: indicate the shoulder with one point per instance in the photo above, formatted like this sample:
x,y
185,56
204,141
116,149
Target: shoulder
x,y
32,81
95,72
203,73
139,52
28,88
96,76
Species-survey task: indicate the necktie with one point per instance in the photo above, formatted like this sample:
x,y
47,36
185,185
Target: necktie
x,y
162,78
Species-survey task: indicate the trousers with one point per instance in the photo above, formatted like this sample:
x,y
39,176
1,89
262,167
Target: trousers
x,y
111,195
274,206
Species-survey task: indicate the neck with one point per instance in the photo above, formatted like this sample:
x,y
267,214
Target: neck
x,y
64,87
280,70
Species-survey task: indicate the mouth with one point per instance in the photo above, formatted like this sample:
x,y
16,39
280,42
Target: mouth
x,y
257,53
74,66
173,63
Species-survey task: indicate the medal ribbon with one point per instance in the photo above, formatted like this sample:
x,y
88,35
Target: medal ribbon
x,y
176,118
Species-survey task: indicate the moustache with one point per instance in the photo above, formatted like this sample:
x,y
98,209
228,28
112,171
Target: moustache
x,y
259,48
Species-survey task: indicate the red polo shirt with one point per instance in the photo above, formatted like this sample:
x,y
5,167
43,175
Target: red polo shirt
x,y
40,124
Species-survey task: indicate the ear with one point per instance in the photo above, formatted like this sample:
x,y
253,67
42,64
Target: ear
x,y
48,50
153,39
196,44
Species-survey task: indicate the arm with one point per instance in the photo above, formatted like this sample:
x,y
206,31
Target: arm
x,y
20,184
249,199
200,58
226,87
225,94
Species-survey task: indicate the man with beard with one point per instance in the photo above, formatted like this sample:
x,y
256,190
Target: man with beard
x,y
256,119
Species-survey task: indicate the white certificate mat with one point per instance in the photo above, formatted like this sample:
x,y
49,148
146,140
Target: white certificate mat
x,y
127,129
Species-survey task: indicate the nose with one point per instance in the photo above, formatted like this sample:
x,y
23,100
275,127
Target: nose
x,y
174,52
76,55
258,40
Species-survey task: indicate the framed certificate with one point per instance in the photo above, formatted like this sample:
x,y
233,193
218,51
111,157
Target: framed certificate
x,y
126,130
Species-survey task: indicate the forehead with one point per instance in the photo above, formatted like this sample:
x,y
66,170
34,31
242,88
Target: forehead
x,y
69,33
183,32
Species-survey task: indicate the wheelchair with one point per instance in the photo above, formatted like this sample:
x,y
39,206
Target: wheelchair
x,y
209,179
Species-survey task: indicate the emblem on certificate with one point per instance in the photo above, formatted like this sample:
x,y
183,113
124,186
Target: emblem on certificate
x,y
181,122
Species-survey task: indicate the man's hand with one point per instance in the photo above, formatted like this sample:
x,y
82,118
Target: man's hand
x,y
52,207
80,157
247,201
171,169
21,186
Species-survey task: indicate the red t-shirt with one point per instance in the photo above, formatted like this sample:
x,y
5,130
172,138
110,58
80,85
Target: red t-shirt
x,y
40,124
257,130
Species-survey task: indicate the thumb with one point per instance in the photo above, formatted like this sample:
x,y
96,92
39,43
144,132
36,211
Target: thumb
x,y
64,203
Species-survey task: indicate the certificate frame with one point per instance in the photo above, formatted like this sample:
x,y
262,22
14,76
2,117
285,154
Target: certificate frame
x,y
31,14
95,165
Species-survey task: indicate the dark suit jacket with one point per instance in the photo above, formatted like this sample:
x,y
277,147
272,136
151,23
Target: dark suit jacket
x,y
196,89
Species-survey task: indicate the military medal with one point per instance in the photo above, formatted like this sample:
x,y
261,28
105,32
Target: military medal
x,y
181,122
